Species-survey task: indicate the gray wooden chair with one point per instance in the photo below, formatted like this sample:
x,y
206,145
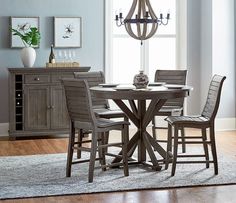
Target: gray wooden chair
x,y
82,117
203,121
101,106
172,106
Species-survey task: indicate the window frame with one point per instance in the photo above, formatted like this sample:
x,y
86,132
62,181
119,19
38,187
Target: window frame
x,y
180,36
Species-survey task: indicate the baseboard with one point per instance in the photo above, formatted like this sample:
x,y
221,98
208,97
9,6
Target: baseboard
x,y
4,127
225,124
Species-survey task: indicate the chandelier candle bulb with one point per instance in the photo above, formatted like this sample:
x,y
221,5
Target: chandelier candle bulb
x,y
168,16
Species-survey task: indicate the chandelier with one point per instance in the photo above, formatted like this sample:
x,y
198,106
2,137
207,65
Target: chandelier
x,y
141,22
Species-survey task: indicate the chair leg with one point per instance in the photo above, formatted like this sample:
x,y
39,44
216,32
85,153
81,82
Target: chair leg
x,y
80,137
213,148
104,150
183,139
204,139
127,128
154,128
169,146
106,139
101,151
92,156
125,136
175,150
70,149
99,141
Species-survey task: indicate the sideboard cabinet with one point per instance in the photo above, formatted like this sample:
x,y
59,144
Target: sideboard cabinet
x,y
36,101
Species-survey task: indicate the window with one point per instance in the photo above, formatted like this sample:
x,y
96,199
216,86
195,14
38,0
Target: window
x,y
125,56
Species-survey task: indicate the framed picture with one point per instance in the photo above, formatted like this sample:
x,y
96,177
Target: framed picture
x,y
23,25
67,32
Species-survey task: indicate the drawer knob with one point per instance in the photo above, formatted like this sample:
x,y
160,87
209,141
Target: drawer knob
x,y
36,79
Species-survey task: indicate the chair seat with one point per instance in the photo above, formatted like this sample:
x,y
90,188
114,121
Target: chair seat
x,y
169,110
194,120
106,123
108,113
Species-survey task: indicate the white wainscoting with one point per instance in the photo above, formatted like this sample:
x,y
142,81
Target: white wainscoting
x,y
4,127
225,124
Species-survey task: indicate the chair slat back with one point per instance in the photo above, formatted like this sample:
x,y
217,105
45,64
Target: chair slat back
x,y
213,98
78,100
94,79
177,77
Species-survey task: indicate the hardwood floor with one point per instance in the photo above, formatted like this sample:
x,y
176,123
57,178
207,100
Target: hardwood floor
x,y
226,142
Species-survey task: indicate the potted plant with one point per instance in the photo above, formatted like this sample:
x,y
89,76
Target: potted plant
x,y
30,39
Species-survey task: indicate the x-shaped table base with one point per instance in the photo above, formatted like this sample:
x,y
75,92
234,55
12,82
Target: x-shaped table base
x,y
141,117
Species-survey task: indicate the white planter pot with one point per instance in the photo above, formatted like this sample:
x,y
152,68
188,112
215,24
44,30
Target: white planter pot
x,y
28,56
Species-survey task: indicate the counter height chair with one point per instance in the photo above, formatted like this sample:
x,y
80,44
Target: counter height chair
x,y
101,106
203,121
172,106
82,117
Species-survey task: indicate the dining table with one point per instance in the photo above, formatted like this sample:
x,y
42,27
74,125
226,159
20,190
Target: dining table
x,y
140,106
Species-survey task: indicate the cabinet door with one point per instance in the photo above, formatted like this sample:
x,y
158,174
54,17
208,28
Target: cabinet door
x,y
59,114
37,107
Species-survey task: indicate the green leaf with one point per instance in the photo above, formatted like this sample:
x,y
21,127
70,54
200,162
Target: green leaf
x,y
30,38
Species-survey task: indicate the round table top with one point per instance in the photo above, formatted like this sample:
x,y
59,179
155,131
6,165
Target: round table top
x,y
151,92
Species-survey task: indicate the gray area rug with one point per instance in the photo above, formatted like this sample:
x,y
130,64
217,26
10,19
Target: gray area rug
x,y
44,175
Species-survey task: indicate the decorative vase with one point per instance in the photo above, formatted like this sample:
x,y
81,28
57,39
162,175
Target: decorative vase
x,y
140,80
28,56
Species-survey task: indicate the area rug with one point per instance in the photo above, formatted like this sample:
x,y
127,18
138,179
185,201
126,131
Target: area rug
x,y
44,175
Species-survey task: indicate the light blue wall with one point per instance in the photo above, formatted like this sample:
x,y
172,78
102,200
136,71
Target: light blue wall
x,y
206,48
91,53
235,54
223,55
207,55
194,54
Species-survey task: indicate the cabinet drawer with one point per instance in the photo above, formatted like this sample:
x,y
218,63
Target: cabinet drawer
x,y
37,78
57,78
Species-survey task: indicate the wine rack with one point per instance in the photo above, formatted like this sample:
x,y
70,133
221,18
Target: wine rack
x,y
18,102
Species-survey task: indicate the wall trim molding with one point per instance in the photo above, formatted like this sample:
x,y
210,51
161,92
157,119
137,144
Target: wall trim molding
x,y
4,127
225,124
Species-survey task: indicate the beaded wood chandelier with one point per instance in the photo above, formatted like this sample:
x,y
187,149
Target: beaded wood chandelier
x,y
141,22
